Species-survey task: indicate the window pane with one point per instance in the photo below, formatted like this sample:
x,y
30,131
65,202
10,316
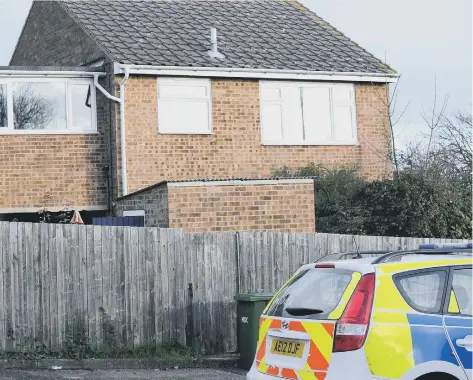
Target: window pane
x,y
312,289
317,114
462,287
343,122
424,291
183,116
81,99
3,106
272,116
39,106
292,114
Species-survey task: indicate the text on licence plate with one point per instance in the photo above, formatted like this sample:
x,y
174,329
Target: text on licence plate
x,y
287,347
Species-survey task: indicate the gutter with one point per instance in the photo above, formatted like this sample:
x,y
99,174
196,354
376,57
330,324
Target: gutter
x,y
120,100
50,73
257,73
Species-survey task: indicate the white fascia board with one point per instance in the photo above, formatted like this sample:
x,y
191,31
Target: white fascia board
x,y
256,73
51,74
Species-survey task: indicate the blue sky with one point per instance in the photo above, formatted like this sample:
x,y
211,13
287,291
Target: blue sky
x,y
421,39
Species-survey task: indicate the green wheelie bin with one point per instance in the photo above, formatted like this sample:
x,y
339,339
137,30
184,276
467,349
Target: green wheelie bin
x,y
249,309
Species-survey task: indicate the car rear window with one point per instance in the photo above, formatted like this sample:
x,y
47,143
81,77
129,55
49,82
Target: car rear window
x,y
317,289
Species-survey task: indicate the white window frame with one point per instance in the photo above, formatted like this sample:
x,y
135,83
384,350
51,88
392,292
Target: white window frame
x,y
135,213
10,130
168,81
264,84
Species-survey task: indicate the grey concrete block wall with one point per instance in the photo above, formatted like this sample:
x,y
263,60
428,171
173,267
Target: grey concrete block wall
x,y
51,37
153,201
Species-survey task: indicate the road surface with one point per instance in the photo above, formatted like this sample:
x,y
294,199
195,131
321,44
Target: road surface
x,y
185,374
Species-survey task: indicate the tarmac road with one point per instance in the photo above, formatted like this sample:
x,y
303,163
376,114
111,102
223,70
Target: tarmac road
x,y
185,374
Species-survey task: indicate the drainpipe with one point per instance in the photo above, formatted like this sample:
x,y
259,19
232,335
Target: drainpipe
x,y
120,100
122,131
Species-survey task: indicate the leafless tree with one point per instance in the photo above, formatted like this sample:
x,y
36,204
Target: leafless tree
x,y
3,106
433,119
389,102
455,134
31,110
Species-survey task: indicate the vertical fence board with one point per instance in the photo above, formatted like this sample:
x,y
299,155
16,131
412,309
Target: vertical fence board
x,y
158,294
61,289
127,269
20,301
83,283
98,285
119,269
3,302
35,309
90,295
31,249
9,288
67,263
45,309
53,307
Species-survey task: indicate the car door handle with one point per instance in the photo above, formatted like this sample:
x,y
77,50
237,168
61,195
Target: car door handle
x,y
466,342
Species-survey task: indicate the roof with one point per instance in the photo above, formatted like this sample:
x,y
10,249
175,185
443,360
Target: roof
x,y
405,263
218,181
354,255
386,257
252,34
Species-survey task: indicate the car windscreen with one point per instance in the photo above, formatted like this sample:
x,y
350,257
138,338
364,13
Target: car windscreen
x,y
312,294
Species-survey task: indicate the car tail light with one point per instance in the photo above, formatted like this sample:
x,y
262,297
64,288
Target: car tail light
x,y
352,327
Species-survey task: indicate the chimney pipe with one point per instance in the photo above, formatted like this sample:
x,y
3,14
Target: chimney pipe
x,y
213,52
213,40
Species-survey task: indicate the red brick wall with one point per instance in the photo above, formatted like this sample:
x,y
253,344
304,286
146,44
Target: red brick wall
x,y
269,207
234,149
52,171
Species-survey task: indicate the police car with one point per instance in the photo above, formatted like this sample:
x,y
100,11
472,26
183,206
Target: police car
x,y
402,315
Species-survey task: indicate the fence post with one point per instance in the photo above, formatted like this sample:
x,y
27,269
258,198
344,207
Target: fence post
x,y
237,253
190,318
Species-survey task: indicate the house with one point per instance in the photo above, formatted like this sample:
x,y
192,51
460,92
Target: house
x,y
131,94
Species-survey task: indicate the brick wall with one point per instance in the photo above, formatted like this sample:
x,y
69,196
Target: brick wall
x,y
270,207
153,201
58,170
51,37
52,171
234,149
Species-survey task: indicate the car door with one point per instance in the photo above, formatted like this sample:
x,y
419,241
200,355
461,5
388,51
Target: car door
x,y
457,317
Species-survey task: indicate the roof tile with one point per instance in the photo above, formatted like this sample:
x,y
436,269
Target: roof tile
x,y
260,34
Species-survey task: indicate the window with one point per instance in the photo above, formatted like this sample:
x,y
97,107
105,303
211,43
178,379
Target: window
x,y
134,213
45,106
423,291
316,289
298,113
184,106
3,106
461,286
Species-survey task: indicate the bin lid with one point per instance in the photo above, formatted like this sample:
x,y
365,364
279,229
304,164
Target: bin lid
x,y
253,297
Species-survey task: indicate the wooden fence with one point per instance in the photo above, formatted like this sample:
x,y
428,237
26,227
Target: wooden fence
x,y
128,287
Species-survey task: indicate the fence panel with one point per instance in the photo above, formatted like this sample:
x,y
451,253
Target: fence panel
x,y
127,287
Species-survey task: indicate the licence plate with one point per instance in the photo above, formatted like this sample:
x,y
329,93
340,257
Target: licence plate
x,y
287,347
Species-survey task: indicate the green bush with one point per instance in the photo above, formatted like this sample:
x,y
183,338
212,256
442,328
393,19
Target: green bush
x,y
418,203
